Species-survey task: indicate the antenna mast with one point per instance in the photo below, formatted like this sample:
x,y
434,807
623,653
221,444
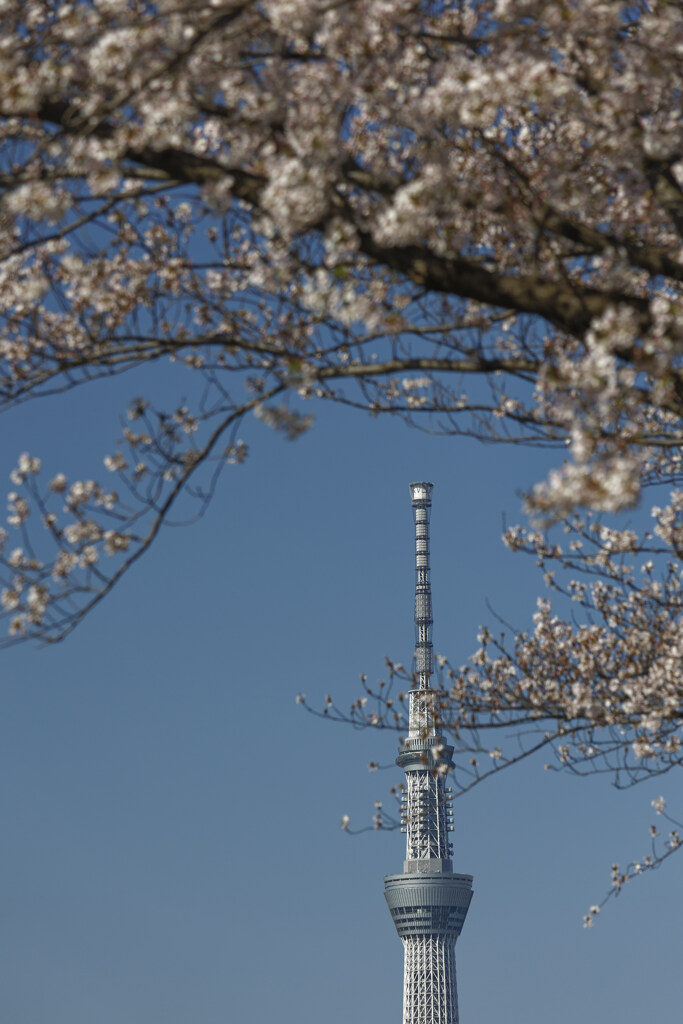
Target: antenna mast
x,y
421,495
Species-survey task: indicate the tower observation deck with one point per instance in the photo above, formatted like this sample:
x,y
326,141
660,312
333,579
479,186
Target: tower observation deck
x,y
428,901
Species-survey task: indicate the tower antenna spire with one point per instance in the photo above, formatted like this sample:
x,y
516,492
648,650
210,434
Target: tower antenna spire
x,y
421,495
428,901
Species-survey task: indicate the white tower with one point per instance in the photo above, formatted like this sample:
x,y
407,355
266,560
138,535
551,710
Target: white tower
x,y
428,902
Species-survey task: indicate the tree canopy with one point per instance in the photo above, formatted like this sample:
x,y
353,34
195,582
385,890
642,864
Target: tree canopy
x,y
466,214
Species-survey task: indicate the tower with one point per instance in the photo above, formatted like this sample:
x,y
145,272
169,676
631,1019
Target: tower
x,y
429,901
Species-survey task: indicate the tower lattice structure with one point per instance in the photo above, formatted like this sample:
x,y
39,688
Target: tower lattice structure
x,y
428,901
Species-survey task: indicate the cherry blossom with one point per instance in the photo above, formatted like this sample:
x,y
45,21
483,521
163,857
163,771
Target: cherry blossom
x,y
369,203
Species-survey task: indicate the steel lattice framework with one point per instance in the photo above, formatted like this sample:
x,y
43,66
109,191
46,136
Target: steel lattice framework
x,y
429,901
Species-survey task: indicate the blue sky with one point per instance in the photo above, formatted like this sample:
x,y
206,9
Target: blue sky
x,y
170,818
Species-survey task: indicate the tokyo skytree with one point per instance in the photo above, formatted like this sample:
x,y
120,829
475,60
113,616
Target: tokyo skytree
x,y
429,901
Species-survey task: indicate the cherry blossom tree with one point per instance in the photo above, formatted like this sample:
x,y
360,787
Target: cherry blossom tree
x,y
467,214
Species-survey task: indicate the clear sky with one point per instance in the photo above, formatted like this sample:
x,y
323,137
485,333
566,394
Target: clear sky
x,y
170,838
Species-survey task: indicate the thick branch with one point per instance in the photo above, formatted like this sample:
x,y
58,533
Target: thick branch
x,y
568,306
